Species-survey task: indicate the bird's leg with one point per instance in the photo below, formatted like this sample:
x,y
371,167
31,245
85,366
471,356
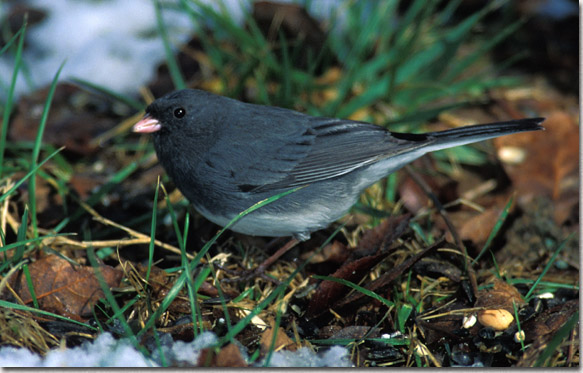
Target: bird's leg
x,y
260,270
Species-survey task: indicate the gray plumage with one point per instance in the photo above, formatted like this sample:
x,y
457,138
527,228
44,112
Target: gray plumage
x,y
225,155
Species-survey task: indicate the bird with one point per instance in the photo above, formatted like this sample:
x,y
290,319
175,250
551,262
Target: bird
x,y
226,155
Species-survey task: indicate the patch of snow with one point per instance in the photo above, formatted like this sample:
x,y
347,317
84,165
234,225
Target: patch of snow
x,y
114,43
106,351
336,356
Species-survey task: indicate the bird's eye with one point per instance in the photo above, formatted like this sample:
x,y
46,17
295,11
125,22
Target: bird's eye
x,y
179,113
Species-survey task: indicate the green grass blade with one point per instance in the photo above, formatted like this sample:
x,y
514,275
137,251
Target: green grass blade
x,y
27,241
181,281
423,115
29,174
113,182
20,237
13,39
551,286
558,338
173,67
286,86
356,287
276,325
110,93
374,93
174,220
548,266
10,97
518,327
496,229
196,313
111,300
153,231
19,307
37,147
403,315
487,45
30,286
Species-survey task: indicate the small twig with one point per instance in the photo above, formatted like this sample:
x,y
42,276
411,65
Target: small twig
x,y
121,128
4,214
142,238
139,238
61,240
5,280
457,312
444,215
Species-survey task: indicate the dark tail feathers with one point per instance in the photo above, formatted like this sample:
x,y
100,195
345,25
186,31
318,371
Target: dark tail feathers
x,y
491,130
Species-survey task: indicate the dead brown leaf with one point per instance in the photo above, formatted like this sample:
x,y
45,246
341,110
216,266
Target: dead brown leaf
x,y
335,252
69,121
380,237
544,161
550,320
282,341
329,292
478,227
371,249
501,296
228,357
386,278
85,184
65,289
540,330
413,197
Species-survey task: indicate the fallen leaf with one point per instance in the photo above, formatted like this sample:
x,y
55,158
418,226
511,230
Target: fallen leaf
x,y
228,357
386,278
541,330
478,227
412,196
501,295
73,121
547,158
371,250
378,238
329,292
282,341
549,321
335,252
65,289
85,184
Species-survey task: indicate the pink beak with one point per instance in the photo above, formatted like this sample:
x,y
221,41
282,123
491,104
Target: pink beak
x,y
147,125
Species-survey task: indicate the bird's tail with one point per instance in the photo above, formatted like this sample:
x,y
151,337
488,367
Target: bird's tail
x,y
479,132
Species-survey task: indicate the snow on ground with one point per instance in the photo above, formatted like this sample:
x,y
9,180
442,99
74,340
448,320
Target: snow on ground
x,y
113,43
106,351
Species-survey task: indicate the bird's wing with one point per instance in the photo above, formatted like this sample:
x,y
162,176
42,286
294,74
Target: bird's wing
x,y
303,150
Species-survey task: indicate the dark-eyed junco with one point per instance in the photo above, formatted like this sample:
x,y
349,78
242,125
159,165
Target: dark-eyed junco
x,y
225,155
